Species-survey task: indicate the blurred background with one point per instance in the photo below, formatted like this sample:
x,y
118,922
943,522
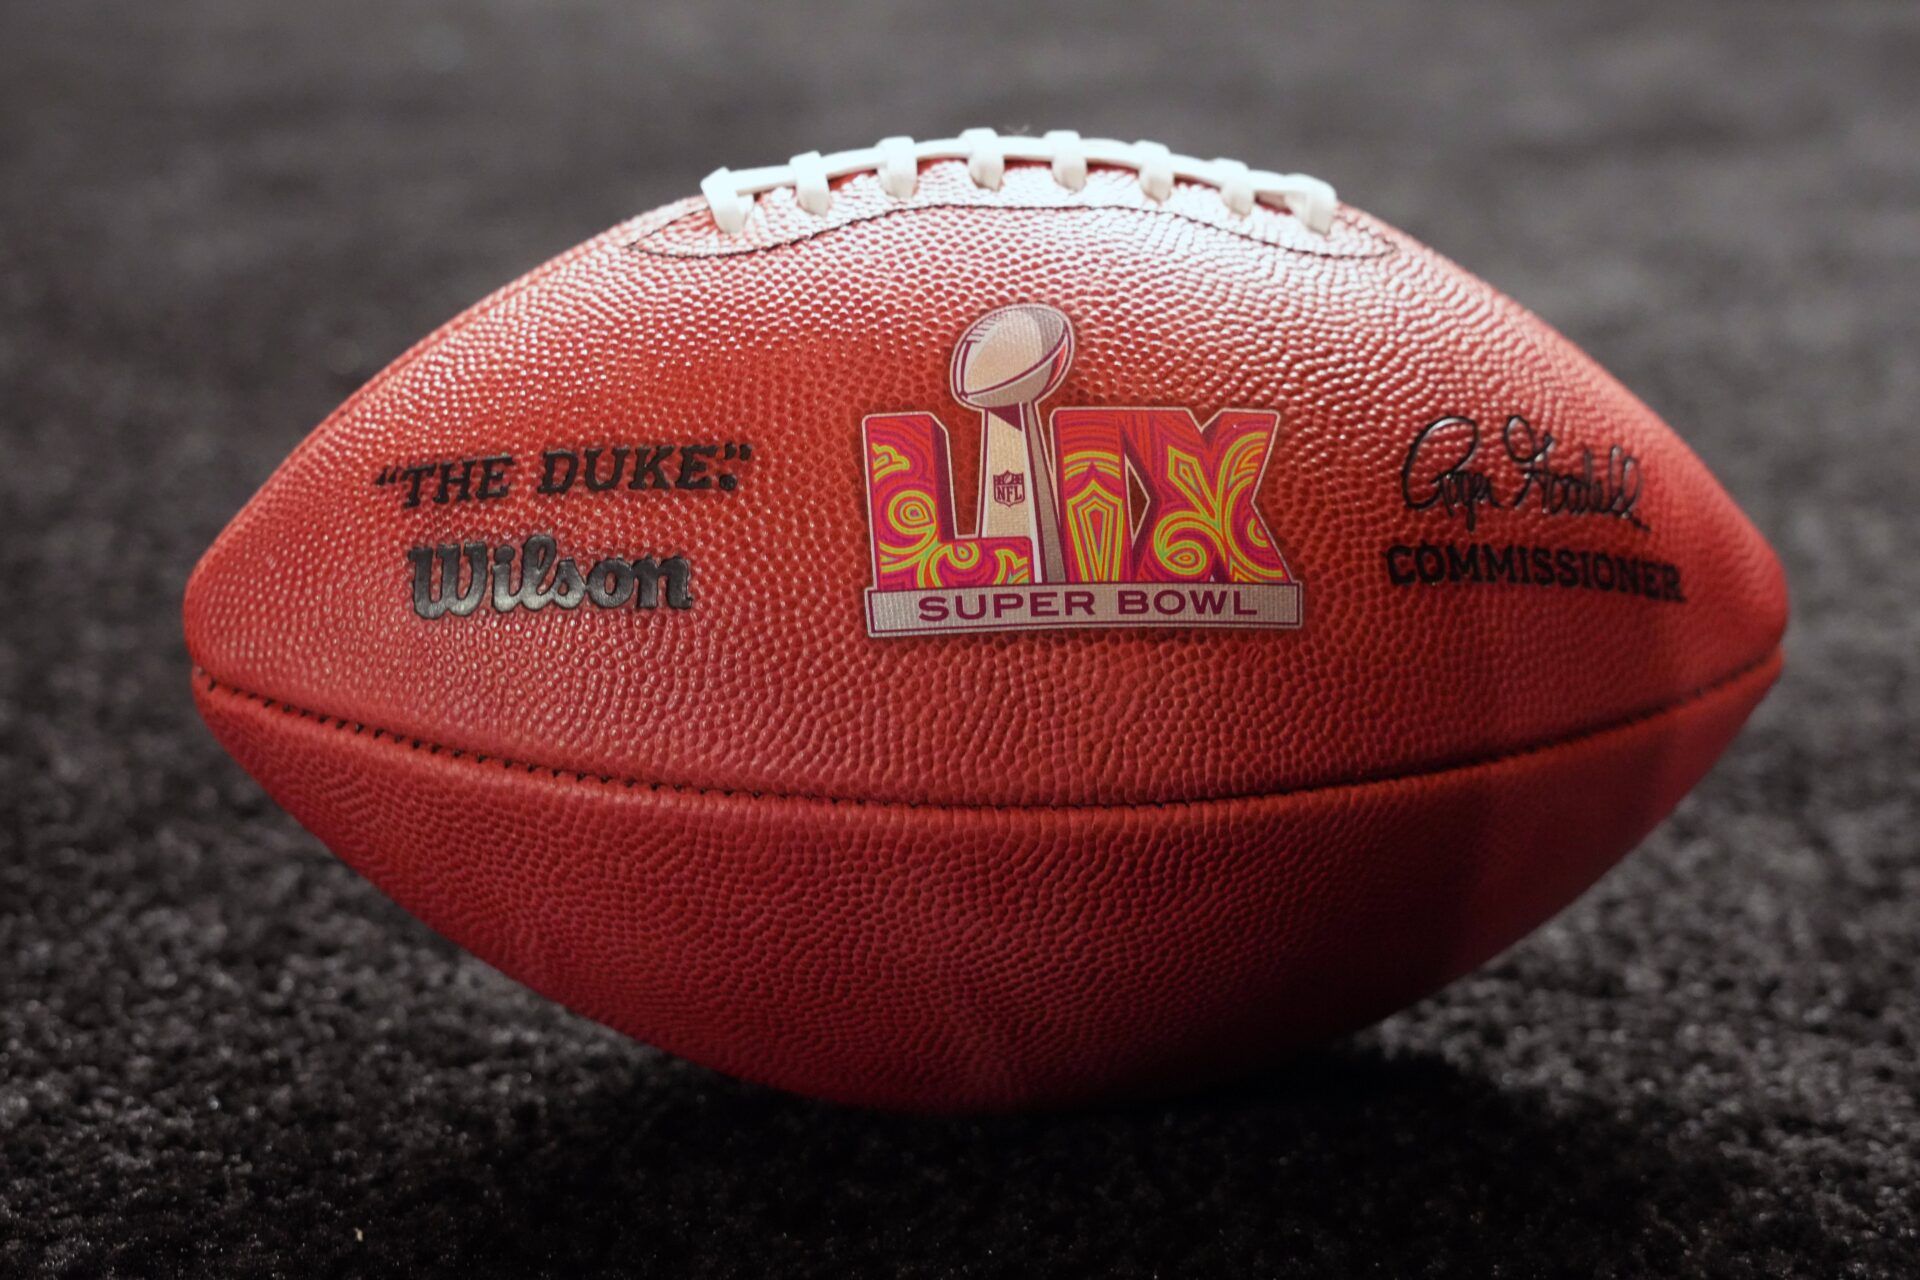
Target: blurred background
x,y
223,1053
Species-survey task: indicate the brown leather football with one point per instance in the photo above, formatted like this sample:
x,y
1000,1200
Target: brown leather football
x,y
987,623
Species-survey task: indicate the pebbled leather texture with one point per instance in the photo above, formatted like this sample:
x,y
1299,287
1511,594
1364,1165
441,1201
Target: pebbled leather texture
x,y
976,870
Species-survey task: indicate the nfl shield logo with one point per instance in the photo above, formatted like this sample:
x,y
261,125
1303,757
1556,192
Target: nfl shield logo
x,y
1009,488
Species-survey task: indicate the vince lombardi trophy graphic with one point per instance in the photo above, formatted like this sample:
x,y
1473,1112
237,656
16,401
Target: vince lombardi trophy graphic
x,y
1006,363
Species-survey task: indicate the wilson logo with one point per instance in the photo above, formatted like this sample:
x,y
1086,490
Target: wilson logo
x,y
534,575
1097,517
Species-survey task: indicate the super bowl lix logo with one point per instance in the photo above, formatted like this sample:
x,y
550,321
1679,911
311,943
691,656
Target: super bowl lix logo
x,y
1094,517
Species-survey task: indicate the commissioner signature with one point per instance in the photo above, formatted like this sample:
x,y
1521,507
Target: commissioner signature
x,y
1439,471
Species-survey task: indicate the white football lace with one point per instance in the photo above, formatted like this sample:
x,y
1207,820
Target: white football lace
x,y
730,193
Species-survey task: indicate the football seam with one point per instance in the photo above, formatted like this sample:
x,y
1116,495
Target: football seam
x,y
1378,246
512,765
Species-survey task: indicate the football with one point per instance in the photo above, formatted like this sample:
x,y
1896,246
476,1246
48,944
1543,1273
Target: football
x,y
1014,355
987,623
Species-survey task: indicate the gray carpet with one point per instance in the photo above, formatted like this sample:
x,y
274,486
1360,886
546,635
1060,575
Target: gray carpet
x,y
221,1053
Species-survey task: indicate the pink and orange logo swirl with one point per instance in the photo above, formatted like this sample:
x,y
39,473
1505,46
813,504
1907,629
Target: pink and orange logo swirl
x,y
910,489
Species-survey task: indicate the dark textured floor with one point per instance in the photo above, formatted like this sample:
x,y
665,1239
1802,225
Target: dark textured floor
x,y
221,1053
